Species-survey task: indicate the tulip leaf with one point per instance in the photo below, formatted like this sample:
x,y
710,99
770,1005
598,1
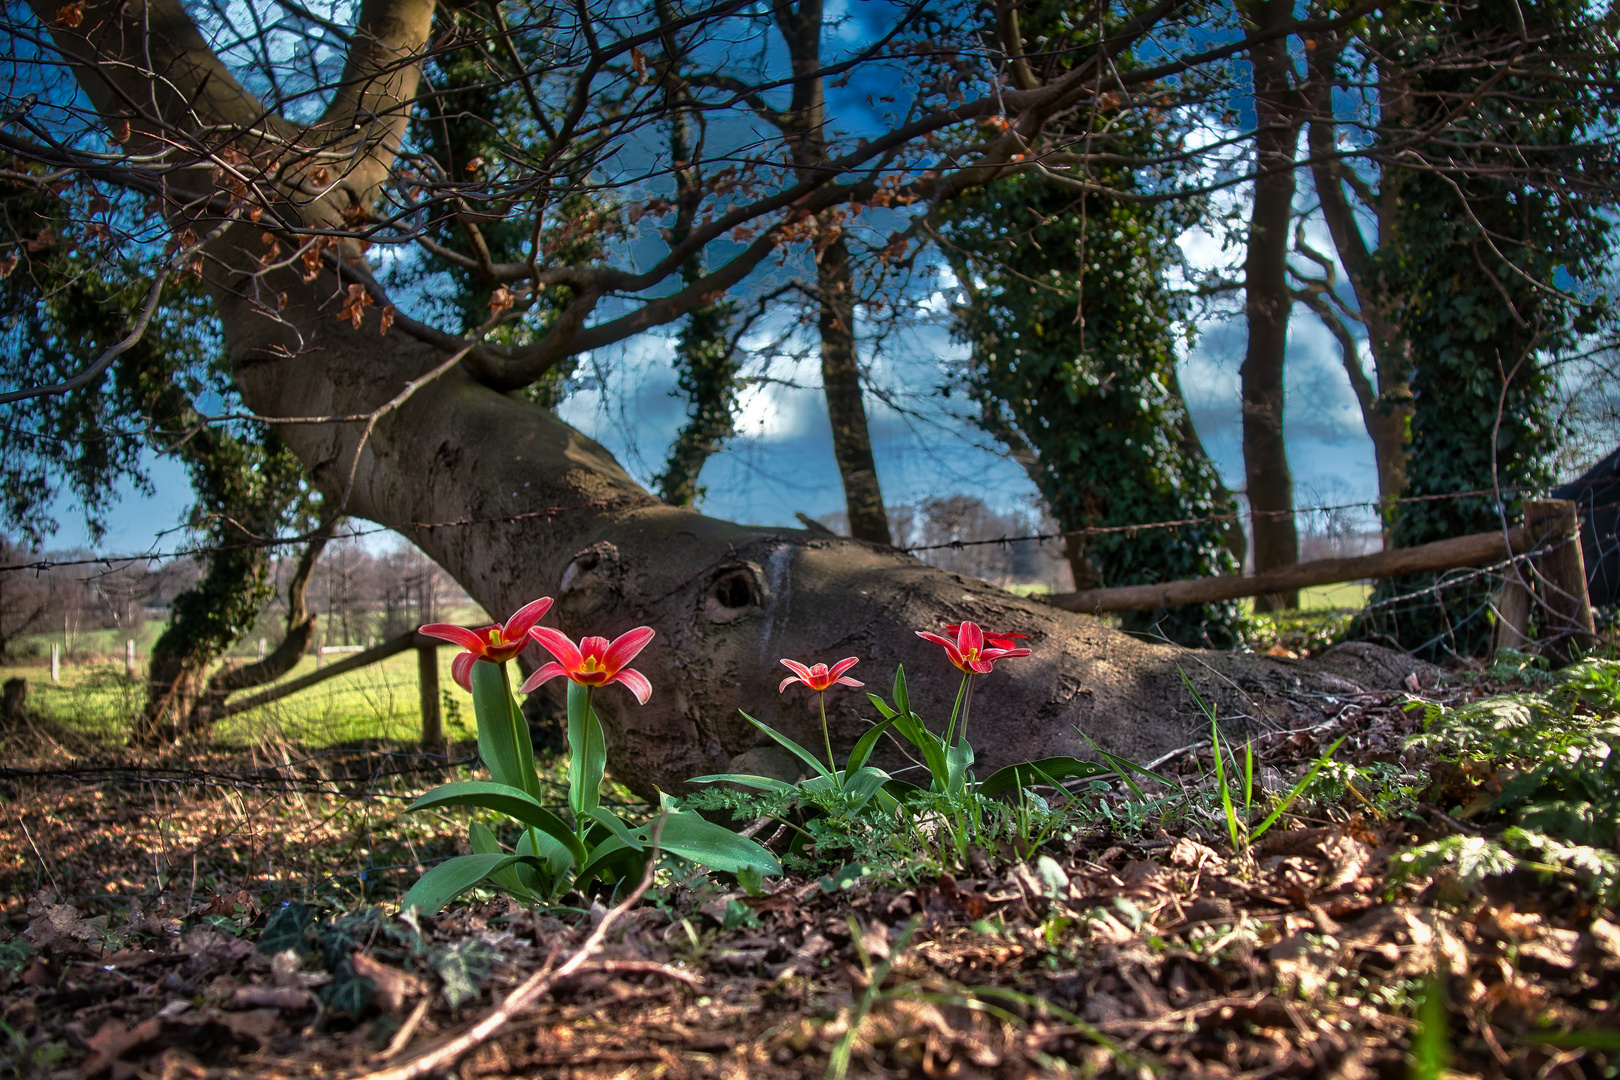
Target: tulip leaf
x,y
761,783
903,790
508,800
616,827
798,751
483,842
453,877
902,700
958,760
692,837
612,856
1046,770
492,705
864,783
882,707
931,745
587,753
864,745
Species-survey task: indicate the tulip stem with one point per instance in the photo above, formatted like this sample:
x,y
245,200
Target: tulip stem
x,y
832,766
961,691
967,705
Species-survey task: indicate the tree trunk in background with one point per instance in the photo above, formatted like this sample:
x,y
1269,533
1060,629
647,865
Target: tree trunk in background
x,y
802,124
1386,409
514,504
294,644
846,410
1267,304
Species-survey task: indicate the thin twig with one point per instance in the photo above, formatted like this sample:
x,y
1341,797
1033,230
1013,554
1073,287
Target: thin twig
x,y
526,994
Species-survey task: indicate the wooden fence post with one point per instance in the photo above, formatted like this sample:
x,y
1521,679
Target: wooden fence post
x,y
427,674
129,658
1570,627
56,663
1557,580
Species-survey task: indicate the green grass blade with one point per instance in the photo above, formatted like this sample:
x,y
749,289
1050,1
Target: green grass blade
x,y
1226,793
1282,807
864,745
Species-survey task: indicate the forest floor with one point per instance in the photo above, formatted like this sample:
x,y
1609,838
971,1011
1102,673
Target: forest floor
x,y
233,914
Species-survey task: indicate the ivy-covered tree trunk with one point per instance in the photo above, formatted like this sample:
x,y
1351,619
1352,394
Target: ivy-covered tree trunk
x,y
705,351
1267,304
1073,364
1474,304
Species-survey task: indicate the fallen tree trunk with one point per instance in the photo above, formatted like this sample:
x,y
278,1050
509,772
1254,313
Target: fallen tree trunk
x,y
1478,549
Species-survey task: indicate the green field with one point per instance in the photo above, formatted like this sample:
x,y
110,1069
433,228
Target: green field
x,y
95,699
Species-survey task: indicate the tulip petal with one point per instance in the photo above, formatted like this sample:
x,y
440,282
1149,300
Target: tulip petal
x,y
542,676
789,681
558,644
524,617
626,646
946,643
798,669
843,665
459,635
461,670
634,681
970,638
846,681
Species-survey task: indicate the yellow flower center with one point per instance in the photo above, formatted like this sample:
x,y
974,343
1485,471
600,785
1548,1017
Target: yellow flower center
x,y
591,666
494,635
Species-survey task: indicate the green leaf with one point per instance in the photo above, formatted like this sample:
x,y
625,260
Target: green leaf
x,y
1030,772
761,783
707,844
864,745
506,800
881,706
502,753
844,877
484,842
347,992
616,827
958,759
287,928
587,753
612,856
798,751
1304,783
931,746
864,784
450,879
464,967
903,790
902,699
555,857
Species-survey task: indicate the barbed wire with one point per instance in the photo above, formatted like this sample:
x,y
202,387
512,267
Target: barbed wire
x,y
191,550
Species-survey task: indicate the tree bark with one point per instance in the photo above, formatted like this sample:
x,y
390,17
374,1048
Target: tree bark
x,y
515,504
294,644
1267,304
846,409
804,126
1386,410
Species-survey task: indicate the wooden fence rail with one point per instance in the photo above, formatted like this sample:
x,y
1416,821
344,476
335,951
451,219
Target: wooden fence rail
x,y
427,669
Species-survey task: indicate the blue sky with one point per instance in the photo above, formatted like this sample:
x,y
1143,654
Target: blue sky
x,y
782,460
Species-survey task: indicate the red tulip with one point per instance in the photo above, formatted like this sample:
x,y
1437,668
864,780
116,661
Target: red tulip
x,y
495,643
819,677
594,661
995,641
970,651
